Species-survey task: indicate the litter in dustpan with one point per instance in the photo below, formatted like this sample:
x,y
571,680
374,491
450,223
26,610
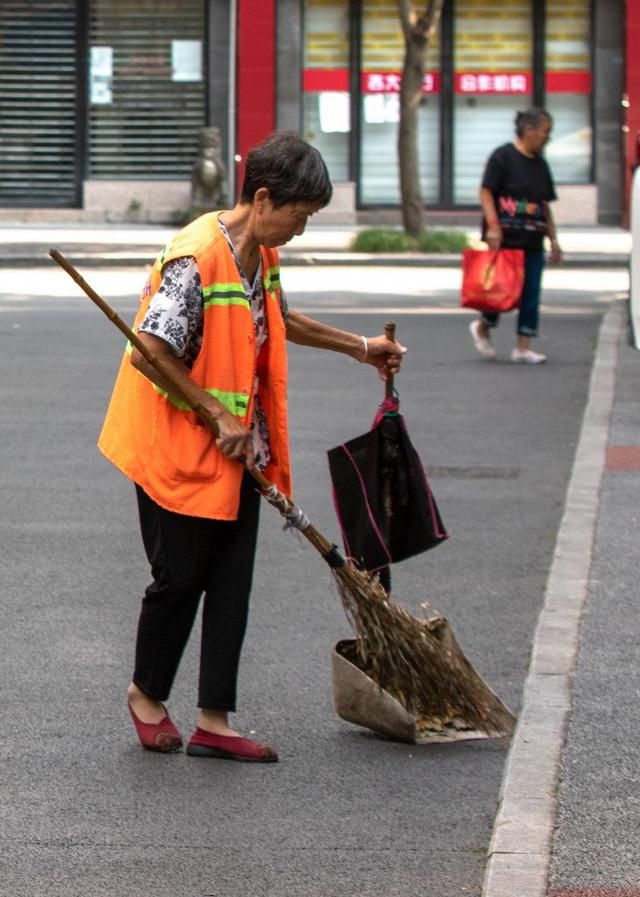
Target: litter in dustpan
x,y
359,699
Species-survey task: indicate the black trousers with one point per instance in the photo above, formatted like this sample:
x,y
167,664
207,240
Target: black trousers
x,y
189,557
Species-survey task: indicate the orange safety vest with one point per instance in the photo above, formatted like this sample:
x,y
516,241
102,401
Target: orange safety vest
x,y
157,440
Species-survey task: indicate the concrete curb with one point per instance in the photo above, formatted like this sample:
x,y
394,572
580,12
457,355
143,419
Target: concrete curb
x,y
138,256
436,260
521,846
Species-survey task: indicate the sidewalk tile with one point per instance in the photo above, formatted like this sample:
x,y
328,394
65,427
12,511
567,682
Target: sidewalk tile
x,y
595,892
623,457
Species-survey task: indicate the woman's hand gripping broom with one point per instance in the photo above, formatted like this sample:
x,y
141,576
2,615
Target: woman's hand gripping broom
x,y
417,660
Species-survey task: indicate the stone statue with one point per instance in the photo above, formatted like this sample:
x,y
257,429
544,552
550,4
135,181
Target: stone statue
x,y
208,178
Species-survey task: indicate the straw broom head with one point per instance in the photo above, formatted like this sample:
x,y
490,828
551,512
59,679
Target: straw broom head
x,y
419,662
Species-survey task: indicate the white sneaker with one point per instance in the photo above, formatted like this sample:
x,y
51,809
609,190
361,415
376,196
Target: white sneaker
x,y
527,356
482,343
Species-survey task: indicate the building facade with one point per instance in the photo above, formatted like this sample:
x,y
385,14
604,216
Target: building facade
x,y
102,101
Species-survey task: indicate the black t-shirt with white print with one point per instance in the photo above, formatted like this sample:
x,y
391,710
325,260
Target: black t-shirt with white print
x,y
521,188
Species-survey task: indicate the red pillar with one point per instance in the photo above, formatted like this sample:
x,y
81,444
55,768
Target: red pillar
x,y
256,76
632,90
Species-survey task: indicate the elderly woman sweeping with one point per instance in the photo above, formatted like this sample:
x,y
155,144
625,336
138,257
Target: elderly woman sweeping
x,y
214,313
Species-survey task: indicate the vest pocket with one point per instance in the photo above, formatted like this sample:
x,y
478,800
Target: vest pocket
x,y
190,450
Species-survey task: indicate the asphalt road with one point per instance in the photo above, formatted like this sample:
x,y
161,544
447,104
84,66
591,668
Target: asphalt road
x,y
83,810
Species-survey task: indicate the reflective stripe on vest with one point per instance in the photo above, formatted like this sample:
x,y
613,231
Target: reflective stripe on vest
x,y
225,294
235,402
272,279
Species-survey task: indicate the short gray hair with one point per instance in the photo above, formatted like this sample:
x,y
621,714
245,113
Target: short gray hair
x,y
290,168
531,118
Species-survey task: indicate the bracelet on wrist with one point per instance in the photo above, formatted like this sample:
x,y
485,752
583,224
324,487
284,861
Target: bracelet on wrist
x,y
365,349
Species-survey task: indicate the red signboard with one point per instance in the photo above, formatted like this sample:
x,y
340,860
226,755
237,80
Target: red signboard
x,y
320,80
567,82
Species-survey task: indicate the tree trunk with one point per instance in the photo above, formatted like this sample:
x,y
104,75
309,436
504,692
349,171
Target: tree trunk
x,y
408,156
417,32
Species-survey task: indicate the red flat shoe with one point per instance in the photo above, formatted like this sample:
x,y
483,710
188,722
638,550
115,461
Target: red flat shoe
x,y
229,747
162,736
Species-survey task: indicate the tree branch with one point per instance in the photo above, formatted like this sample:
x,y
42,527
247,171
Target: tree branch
x,y
405,8
431,17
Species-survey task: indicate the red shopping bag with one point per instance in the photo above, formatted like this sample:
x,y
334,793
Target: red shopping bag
x,y
492,281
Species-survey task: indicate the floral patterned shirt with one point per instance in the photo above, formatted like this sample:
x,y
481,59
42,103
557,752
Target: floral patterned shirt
x,y
175,314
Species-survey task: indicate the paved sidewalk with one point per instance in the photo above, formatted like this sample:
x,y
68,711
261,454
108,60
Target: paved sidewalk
x,y
596,842
24,245
568,815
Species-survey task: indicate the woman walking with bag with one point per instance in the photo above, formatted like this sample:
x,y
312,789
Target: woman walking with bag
x,y
517,187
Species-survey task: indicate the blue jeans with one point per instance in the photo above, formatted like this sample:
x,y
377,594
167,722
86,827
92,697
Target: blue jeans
x,y
528,312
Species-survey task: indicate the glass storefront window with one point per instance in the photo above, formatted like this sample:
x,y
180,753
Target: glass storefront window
x,y
382,61
568,89
492,80
490,70
146,88
326,97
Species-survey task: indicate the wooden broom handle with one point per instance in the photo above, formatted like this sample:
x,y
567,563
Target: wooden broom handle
x,y
390,333
156,363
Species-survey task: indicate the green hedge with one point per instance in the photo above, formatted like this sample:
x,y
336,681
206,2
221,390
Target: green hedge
x,y
379,239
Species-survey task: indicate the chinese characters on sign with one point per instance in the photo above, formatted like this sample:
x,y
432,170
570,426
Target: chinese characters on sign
x,y
389,82
489,82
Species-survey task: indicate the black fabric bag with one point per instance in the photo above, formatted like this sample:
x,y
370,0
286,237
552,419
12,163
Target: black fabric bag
x,y
384,503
